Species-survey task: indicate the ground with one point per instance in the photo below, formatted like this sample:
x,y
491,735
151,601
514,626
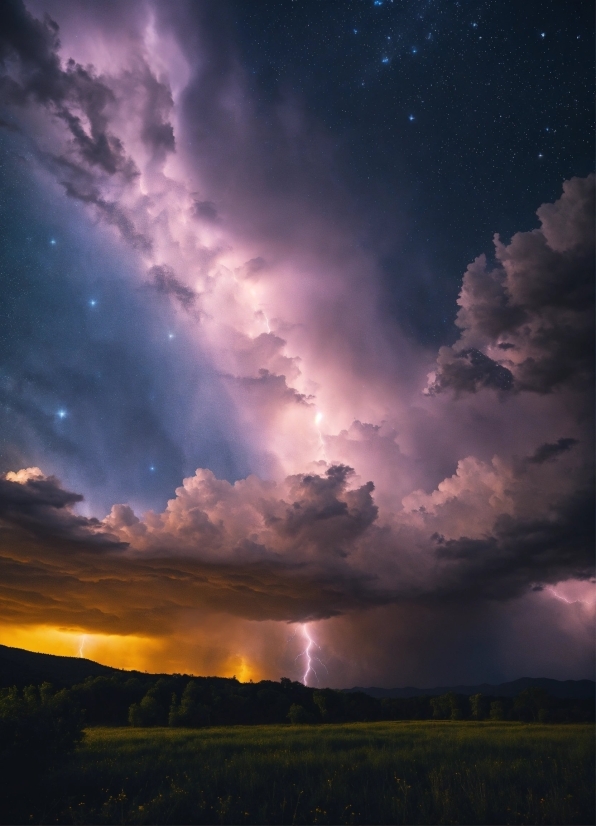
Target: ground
x,y
399,772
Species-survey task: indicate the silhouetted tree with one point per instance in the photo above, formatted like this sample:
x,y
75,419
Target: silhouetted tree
x,y
38,727
106,700
479,707
447,707
177,700
191,711
298,714
532,705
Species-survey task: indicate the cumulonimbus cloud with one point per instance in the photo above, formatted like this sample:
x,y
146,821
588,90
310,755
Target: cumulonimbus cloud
x,y
311,548
527,322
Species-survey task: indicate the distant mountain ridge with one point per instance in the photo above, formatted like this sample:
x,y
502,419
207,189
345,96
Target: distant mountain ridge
x,y
21,667
564,689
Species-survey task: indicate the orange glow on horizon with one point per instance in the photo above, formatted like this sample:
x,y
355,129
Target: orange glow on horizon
x,y
130,652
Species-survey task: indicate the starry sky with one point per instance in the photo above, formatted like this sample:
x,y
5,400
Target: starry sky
x,y
498,98
296,332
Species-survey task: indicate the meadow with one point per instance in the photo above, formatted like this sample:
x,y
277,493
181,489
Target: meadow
x,y
426,772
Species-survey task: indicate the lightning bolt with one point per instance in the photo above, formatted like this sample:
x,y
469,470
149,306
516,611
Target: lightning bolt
x,y
318,419
309,657
569,601
306,653
82,645
558,596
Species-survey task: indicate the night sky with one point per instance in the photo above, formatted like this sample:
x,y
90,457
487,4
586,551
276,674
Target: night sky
x,y
296,337
447,119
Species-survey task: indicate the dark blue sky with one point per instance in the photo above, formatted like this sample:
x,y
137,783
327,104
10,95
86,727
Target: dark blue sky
x,y
451,121
97,379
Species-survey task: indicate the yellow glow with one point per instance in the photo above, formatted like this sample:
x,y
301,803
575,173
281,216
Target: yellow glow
x,y
130,651
238,667
164,655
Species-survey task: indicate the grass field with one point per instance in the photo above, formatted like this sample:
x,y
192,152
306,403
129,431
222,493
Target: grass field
x,y
403,772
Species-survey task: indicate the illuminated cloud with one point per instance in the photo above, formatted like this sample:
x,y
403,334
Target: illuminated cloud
x,y
527,322
308,549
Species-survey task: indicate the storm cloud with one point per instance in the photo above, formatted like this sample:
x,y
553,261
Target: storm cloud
x,y
308,549
527,322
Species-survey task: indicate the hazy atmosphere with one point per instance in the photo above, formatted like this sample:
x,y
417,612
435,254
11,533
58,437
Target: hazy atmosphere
x,y
296,338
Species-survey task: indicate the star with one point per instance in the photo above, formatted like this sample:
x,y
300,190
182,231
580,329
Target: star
x,y
92,302
53,242
411,117
542,34
385,60
414,50
61,413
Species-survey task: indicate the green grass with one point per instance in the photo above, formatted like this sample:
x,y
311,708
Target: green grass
x,y
404,772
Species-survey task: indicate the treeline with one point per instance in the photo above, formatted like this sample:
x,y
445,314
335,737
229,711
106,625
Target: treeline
x,y
38,728
210,701
179,700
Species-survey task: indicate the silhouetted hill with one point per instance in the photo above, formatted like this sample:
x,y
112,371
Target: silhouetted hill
x,y
20,667
564,689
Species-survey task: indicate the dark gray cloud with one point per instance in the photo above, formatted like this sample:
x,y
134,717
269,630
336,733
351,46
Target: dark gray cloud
x,y
39,507
552,548
206,210
528,323
35,43
112,213
63,570
268,387
172,574
308,550
466,371
324,513
31,72
255,265
549,451
70,93
157,131
163,278
75,94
